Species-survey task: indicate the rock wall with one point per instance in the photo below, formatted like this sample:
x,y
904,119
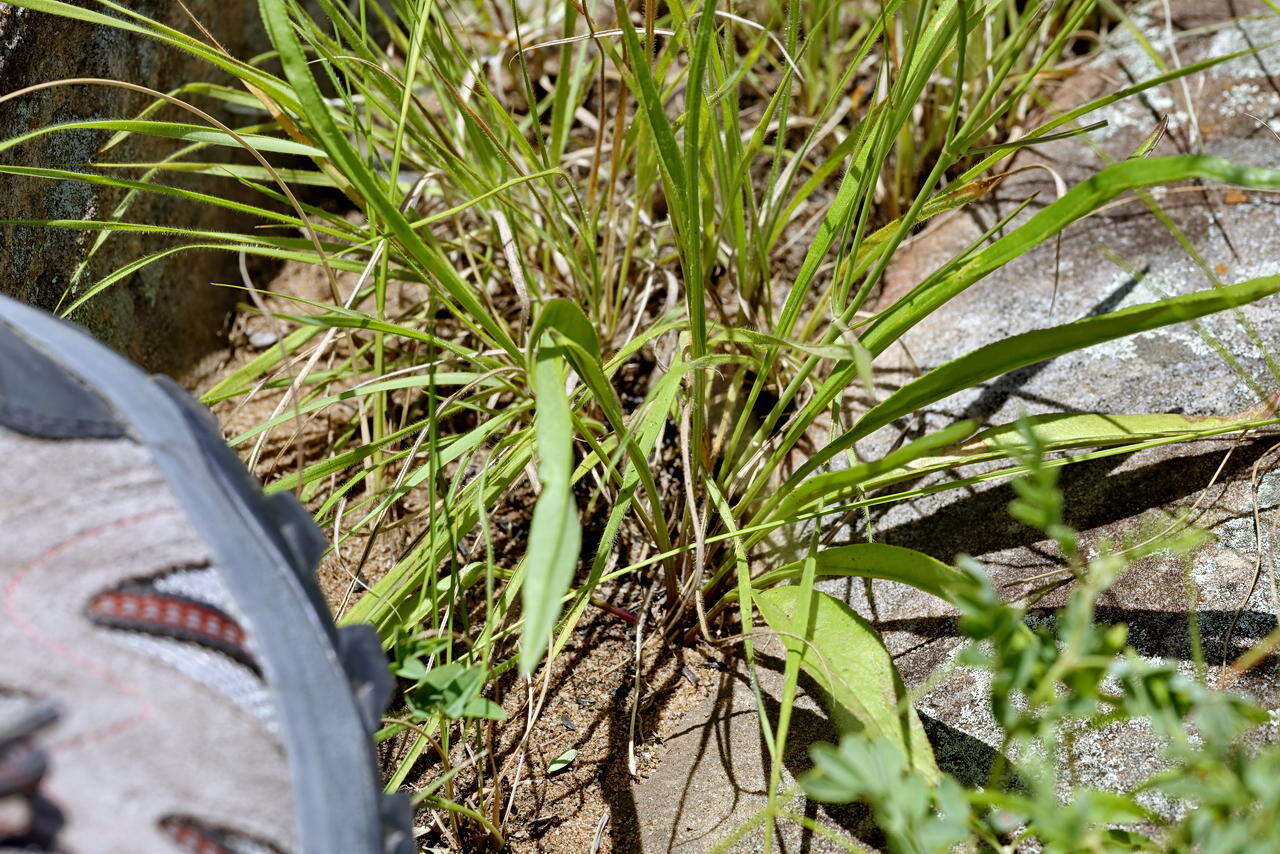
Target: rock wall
x,y
167,314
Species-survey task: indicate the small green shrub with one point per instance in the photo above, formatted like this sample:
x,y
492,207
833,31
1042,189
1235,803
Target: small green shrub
x,y
1053,681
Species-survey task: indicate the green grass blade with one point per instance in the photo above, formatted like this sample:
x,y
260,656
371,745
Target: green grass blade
x,y
1081,200
172,130
555,534
320,115
871,560
1036,346
820,487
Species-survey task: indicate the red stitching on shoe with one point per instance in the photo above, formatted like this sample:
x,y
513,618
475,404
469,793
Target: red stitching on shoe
x,y
172,616
193,838
146,710
161,611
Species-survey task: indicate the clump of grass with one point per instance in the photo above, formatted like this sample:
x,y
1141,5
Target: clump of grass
x,y
586,236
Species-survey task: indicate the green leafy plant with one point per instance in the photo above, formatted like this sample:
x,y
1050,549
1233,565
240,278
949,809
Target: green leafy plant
x,y
452,690
571,257
1047,683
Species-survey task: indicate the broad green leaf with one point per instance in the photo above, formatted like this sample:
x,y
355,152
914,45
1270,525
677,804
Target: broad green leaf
x,y
652,420
873,560
843,654
581,346
555,534
568,319
561,762
483,707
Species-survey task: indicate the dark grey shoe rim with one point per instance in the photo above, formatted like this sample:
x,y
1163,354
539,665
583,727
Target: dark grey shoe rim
x,y
338,795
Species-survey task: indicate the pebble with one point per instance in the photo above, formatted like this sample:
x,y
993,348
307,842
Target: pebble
x,y
261,339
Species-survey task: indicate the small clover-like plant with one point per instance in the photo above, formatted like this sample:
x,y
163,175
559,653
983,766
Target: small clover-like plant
x,y
452,690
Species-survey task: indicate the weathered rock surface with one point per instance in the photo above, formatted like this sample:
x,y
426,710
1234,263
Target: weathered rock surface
x,y
711,782
165,315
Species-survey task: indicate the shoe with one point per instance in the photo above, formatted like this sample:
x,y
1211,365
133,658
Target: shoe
x,y
170,678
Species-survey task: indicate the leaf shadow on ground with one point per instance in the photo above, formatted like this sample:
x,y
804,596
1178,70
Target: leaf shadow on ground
x,y
1096,494
744,764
